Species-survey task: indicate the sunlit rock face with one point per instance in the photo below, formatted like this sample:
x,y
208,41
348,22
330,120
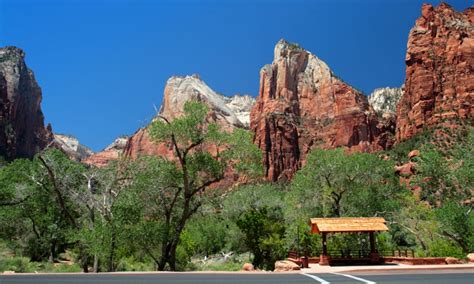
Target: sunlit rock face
x,y
302,104
227,112
439,85
72,147
241,105
384,101
22,129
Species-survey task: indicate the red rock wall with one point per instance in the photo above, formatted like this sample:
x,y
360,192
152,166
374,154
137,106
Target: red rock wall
x,y
439,81
302,105
22,121
141,144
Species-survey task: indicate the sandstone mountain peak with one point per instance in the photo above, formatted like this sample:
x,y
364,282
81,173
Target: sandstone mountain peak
x,y
11,52
283,47
119,143
439,83
301,105
229,112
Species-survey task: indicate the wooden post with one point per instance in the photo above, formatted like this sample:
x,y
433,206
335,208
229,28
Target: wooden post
x,y
325,249
372,242
374,256
324,258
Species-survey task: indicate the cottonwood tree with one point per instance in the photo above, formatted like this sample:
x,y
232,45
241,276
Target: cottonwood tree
x,y
178,185
102,210
335,184
39,192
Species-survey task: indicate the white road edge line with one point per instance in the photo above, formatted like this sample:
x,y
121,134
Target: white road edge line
x,y
322,281
356,278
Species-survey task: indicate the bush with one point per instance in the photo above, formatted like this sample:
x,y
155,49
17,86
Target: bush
x,y
264,232
445,248
17,264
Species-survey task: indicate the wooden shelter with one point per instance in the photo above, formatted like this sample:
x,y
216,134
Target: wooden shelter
x,y
368,225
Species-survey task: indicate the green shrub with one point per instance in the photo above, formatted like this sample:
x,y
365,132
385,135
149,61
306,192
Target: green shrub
x,y
264,235
445,248
17,264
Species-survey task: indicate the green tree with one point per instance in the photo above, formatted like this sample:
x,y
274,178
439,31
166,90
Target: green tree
x,y
457,224
335,184
264,235
39,191
257,210
107,210
195,168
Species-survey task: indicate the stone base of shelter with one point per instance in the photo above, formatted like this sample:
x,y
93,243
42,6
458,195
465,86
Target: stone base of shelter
x,y
375,258
324,259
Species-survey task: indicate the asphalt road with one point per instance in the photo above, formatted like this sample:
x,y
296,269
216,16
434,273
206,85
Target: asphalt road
x,y
408,277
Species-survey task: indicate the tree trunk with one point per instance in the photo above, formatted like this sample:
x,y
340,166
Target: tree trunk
x,y
52,252
85,261
96,263
111,267
165,248
172,258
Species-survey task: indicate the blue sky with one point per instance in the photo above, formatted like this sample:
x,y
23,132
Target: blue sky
x,y
103,65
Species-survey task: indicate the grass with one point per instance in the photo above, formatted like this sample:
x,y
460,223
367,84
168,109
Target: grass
x,y
23,264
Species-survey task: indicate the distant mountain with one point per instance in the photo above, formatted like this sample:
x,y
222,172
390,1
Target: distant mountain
x,y
110,153
71,146
227,112
301,105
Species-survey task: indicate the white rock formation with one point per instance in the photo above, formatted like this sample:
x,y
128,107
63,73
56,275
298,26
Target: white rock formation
x,y
228,111
241,106
118,144
72,147
385,100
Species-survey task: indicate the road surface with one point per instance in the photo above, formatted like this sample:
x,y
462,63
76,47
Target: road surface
x,y
408,277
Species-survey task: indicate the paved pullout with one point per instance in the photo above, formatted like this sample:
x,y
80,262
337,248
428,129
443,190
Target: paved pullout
x,y
408,277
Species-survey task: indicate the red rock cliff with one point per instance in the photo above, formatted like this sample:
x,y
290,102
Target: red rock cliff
x,y
228,112
22,130
439,81
225,111
301,105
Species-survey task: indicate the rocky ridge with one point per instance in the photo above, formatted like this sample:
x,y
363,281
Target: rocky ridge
x,y
22,129
439,85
